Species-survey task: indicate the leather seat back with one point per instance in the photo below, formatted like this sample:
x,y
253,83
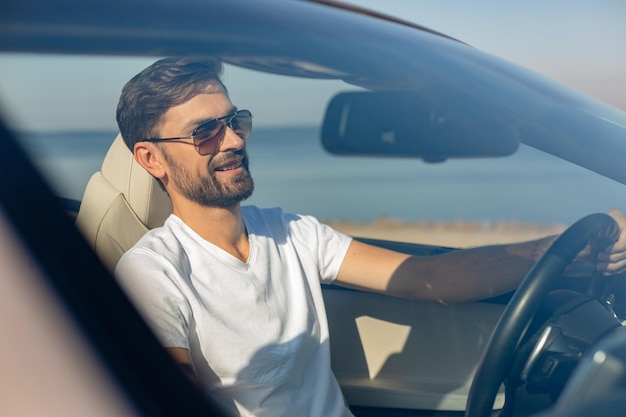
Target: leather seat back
x,y
121,202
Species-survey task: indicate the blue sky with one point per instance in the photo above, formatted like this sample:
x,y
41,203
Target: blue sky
x,y
579,43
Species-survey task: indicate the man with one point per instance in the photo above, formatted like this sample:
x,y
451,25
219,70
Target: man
x,y
233,292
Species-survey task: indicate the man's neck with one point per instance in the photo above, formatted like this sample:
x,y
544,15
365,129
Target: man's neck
x,y
223,227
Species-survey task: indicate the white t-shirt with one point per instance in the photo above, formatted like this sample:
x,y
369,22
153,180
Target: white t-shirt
x,y
257,331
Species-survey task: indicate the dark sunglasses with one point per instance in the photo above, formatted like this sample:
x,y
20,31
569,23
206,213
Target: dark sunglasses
x,y
209,136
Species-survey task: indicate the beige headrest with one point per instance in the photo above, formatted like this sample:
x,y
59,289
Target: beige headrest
x,y
143,193
120,204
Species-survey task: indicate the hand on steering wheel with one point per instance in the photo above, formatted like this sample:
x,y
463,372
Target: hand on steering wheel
x,y
510,329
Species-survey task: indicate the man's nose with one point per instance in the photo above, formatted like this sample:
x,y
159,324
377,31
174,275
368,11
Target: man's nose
x,y
232,141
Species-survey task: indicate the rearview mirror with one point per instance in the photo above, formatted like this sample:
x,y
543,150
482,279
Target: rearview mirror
x,y
410,124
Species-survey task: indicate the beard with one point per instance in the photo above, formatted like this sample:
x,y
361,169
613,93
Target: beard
x,y
207,190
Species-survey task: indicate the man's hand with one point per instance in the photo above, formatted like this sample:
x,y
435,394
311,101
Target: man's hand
x,y
612,259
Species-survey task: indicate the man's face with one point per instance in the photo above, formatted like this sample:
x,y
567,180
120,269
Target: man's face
x,y
219,180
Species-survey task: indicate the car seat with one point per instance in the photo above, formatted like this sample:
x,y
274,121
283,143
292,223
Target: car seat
x,y
120,204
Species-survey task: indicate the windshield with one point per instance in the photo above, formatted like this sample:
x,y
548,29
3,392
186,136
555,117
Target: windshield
x,y
378,197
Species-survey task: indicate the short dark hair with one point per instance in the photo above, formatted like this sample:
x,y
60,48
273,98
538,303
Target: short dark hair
x,y
164,84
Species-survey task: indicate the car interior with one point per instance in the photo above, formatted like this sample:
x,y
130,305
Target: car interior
x,y
389,360
381,345
382,348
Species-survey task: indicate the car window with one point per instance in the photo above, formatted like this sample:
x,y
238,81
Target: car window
x,y
64,110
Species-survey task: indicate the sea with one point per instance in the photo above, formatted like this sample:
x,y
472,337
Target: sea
x,y
291,170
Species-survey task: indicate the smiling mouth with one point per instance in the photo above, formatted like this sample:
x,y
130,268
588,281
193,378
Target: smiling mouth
x,y
229,166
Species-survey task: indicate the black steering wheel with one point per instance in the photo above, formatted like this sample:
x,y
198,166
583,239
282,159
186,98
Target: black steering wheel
x,y
512,325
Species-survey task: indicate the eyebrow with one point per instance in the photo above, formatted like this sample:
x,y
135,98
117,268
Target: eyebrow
x,y
192,124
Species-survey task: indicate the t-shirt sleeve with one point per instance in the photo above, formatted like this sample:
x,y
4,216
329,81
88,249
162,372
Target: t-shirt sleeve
x,y
329,246
150,283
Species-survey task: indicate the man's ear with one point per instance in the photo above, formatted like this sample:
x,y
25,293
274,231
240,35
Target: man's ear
x,y
150,158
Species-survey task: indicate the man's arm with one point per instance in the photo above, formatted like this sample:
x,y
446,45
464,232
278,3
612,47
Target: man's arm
x,y
463,275
458,276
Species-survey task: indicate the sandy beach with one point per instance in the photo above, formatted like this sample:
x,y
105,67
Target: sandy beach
x,y
459,234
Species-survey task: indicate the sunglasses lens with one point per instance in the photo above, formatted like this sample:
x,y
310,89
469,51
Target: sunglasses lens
x,y
208,136
242,124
